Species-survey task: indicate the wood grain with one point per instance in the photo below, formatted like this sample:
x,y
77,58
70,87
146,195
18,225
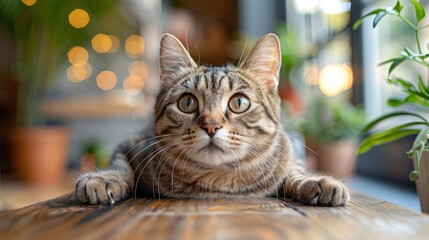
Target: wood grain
x,y
264,218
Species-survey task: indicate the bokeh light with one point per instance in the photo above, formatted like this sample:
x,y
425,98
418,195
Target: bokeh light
x,y
106,80
134,46
78,18
334,79
101,43
115,44
29,2
78,56
138,68
79,73
133,85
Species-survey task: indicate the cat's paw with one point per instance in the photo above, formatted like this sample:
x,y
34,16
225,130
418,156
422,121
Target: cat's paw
x,y
323,191
101,188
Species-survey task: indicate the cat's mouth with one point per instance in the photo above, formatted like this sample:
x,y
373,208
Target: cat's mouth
x,y
211,147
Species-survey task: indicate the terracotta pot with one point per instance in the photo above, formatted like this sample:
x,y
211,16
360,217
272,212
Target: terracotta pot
x,y
337,159
39,155
422,184
288,94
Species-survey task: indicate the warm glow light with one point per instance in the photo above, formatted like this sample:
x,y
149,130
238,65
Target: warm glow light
x,y
78,18
101,43
29,2
115,44
79,73
306,7
138,68
134,46
349,72
78,56
335,6
106,80
334,79
133,85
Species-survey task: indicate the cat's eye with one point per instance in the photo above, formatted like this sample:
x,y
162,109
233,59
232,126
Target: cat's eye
x,y
239,103
188,103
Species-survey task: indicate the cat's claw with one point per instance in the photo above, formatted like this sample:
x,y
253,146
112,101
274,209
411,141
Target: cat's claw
x,y
323,191
100,188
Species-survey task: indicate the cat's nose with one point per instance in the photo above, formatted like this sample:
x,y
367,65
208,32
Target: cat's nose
x,y
211,128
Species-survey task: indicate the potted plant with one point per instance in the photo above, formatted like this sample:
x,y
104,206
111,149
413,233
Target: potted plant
x,y
42,35
416,92
292,57
331,126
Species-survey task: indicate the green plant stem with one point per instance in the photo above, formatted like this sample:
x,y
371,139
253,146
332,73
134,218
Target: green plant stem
x,y
419,156
408,22
418,40
416,30
421,63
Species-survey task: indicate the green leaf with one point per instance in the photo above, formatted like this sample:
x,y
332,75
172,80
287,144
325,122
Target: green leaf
x,y
384,137
421,137
395,64
422,86
398,7
420,11
376,121
373,12
403,83
394,129
394,102
422,95
389,61
377,18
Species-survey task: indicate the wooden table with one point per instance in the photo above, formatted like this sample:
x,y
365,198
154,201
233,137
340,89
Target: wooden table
x,y
265,218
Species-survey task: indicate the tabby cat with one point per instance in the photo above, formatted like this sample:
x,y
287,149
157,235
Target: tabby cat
x,y
217,133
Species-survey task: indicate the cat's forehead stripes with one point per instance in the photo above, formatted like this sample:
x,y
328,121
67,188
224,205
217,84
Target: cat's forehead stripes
x,y
212,80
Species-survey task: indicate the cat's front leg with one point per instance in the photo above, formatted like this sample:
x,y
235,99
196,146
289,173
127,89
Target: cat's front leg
x,y
316,189
105,187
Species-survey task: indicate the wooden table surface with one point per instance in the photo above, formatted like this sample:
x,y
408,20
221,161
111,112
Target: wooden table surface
x,y
265,218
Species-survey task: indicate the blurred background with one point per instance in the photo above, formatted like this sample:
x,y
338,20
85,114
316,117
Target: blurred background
x,y
78,77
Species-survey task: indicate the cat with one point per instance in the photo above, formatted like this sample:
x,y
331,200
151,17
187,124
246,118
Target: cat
x,y
217,134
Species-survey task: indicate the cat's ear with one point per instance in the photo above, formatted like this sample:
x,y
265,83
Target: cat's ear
x,y
264,61
175,61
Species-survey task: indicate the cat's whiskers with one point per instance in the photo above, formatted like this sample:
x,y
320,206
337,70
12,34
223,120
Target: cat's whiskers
x,y
150,145
255,157
143,141
240,160
297,140
172,170
263,156
198,52
154,154
242,52
163,162
184,162
287,173
134,180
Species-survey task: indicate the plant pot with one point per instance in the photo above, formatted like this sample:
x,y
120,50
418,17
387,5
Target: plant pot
x,y
422,184
39,155
337,159
290,96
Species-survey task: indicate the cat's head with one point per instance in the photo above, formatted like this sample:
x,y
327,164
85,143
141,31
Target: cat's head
x,y
217,115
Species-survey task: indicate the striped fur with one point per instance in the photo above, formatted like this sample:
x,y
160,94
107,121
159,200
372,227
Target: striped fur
x,y
213,151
